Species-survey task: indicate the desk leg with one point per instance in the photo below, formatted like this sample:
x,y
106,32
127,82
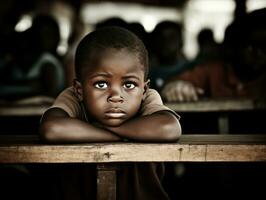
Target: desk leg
x,y
106,181
223,123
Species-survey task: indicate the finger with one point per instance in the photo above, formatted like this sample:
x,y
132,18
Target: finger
x,y
187,92
172,95
179,94
199,90
194,95
167,94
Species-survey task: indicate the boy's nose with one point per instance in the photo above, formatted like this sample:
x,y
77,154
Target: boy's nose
x,y
115,95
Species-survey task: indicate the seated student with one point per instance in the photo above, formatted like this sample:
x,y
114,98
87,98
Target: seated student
x,y
166,53
241,74
209,49
33,68
111,101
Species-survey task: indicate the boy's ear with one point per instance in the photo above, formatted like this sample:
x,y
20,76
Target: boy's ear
x,y
78,89
146,87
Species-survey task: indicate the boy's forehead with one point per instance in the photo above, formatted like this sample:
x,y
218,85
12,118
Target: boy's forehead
x,y
109,51
116,55
120,58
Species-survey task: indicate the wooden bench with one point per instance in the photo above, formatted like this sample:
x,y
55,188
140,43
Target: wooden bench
x,y
37,105
223,106
31,106
203,105
190,148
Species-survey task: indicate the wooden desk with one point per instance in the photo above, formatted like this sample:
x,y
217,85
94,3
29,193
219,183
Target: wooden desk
x,y
222,106
36,106
190,148
33,106
29,110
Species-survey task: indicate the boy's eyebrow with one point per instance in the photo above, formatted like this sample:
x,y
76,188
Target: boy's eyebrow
x,y
131,76
100,74
109,75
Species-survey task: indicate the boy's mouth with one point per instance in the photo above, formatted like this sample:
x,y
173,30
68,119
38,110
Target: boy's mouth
x,y
115,113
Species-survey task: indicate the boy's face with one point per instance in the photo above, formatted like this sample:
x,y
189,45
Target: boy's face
x,y
113,87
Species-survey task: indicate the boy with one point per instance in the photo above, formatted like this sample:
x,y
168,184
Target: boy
x,y
111,101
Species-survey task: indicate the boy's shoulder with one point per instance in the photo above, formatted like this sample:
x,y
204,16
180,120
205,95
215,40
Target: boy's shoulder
x,y
68,94
68,101
153,103
153,95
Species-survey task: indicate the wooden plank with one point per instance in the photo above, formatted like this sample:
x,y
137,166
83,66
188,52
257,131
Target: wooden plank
x,y
184,139
23,110
223,123
216,105
190,148
223,139
35,105
106,181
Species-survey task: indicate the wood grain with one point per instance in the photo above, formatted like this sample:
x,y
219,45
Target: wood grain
x,y
190,148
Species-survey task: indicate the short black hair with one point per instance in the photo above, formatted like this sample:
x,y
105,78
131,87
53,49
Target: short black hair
x,y
105,38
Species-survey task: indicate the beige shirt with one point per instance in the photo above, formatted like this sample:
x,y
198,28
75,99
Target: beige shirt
x,y
68,102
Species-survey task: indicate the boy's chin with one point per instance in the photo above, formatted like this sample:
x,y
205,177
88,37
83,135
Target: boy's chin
x,y
113,122
108,123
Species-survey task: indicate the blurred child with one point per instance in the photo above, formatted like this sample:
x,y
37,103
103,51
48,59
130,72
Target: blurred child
x,y
241,74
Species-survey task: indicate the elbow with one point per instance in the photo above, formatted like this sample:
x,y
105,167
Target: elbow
x,y
172,130
47,132
173,133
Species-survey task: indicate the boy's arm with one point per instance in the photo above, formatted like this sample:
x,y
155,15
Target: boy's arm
x,y
161,126
57,126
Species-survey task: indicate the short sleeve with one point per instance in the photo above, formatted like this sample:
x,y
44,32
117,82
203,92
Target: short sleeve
x,y
153,103
68,102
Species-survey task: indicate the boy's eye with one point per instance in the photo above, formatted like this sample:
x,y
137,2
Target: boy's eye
x,y
129,85
101,85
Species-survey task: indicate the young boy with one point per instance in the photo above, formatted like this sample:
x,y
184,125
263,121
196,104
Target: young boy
x,y
111,101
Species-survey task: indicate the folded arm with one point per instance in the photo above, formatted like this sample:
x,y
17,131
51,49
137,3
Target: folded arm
x,y
58,127
161,126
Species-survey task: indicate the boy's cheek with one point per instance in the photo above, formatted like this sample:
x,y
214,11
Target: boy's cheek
x,y
145,91
144,96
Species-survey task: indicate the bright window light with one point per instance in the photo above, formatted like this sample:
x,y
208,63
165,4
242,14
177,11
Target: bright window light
x,y
255,4
24,23
212,5
149,23
199,14
148,16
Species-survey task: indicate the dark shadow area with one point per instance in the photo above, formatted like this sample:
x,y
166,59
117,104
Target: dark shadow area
x,y
248,122
215,180
20,125
240,122
199,123
182,180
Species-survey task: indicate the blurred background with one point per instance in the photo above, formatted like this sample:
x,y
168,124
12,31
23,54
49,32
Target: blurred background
x,y
193,14
76,18
38,40
62,23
